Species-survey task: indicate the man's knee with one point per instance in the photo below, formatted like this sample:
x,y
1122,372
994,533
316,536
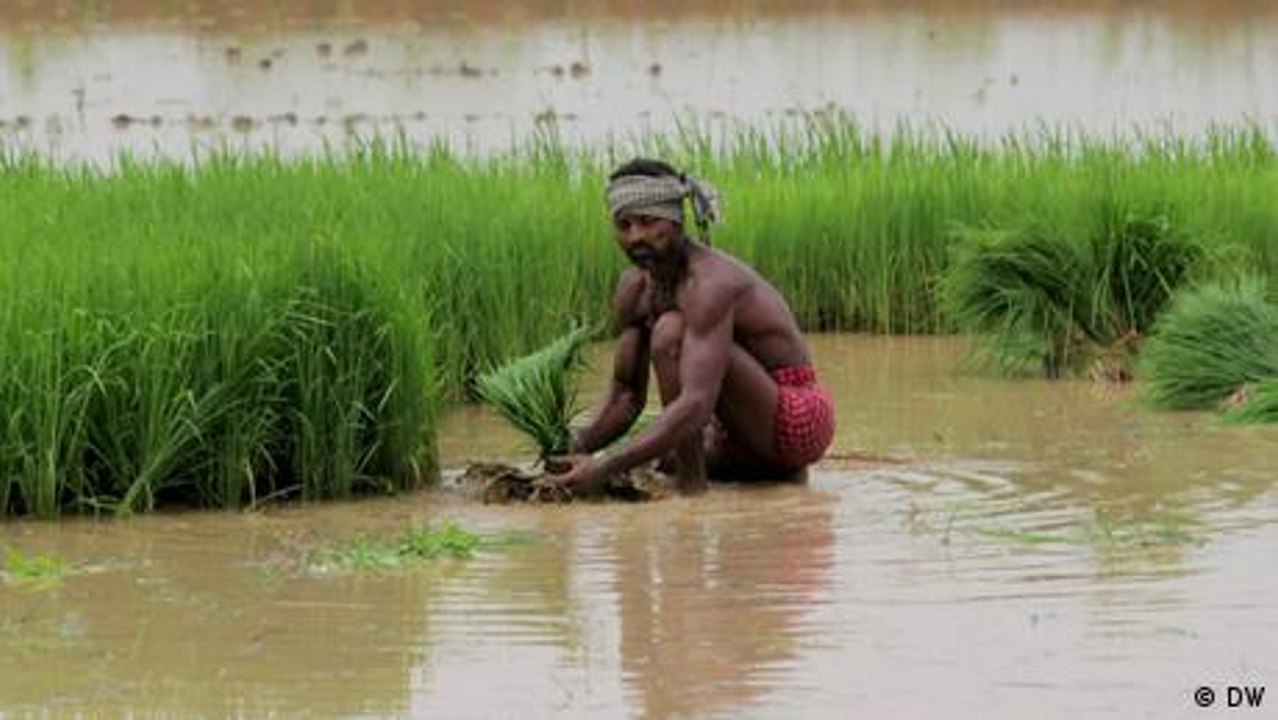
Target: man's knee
x,y
667,336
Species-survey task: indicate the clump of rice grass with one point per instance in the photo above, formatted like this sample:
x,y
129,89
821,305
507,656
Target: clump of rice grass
x,y
1060,305
1256,403
418,544
1018,288
307,382
1216,342
537,393
34,570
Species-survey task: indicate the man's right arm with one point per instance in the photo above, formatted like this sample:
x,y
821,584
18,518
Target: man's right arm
x,y
628,390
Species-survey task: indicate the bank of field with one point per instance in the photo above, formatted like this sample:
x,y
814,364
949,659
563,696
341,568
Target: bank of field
x,y
248,328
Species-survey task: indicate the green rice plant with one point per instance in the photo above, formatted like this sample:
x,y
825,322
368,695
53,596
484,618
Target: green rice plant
x,y
1021,289
1142,259
449,541
151,412
1256,403
1051,301
1212,342
420,543
537,393
1105,532
46,396
242,327
37,570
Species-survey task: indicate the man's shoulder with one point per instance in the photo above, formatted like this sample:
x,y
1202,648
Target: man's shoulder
x,y
629,293
631,284
721,273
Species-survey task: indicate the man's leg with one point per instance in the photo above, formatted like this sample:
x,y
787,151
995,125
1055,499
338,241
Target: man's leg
x,y
746,447
667,342
744,444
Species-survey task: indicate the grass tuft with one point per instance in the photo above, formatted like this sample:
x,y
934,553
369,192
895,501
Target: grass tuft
x,y
416,545
1058,305
537,393
1213,342
37,570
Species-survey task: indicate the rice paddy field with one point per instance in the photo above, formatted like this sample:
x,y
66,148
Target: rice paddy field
x,y
251,326
245,337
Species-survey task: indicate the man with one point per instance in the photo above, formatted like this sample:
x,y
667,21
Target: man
x,y
733,371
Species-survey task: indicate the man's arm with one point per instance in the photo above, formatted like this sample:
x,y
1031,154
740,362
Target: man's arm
x,y
628,390
703,361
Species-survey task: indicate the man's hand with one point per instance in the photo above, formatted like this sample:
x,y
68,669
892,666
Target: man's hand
x,y
578,473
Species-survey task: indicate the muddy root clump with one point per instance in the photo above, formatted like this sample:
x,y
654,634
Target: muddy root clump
x,y
498,483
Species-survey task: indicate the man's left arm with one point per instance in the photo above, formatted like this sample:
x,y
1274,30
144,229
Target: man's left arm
x,y
703,362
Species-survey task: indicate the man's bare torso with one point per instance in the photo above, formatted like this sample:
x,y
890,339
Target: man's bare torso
x,y
762,323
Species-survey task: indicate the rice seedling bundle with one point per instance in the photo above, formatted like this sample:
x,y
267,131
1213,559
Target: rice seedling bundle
x,y
1257,403
1215,341
1051,301
537,393
1020,288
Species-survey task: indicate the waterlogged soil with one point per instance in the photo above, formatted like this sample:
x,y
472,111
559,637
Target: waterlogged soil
x,y
88,79
497,482
973,548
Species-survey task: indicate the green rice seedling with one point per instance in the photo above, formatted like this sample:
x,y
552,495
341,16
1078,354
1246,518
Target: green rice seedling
x,y
53,377
1025,538
152,413
38,570
449,541
1142,259
1214,341
350,389
1256,403
418,544
307,318
1165,529
1105,532
1062,304
1020,288
537,393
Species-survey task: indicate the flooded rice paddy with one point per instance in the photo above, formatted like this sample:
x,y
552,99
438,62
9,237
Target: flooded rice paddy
x,y
1022,549
87,80
1008,549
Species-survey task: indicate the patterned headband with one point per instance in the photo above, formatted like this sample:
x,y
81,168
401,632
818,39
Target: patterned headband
x,y
663,197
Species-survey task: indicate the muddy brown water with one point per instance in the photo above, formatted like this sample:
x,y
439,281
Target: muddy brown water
x,y
1038,550
87,80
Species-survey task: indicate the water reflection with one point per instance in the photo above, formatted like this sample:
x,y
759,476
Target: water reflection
x,y
714,609
175,616
295,76
1065,444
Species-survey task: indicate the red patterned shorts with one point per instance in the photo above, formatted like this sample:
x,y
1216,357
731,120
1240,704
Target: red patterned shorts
x,y
805,416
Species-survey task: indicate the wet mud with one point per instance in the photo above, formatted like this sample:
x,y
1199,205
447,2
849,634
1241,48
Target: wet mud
x,y
500,483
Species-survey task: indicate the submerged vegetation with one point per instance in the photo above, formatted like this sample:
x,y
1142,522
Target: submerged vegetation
x,y
241,328
33,570
417,544
1106,533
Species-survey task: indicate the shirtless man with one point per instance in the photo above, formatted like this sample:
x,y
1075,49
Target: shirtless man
x,y
733,371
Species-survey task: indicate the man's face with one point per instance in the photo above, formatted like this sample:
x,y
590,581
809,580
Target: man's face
x,y
648,241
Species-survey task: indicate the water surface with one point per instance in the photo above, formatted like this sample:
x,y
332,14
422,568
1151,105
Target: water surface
x,y
86,81
1036,549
